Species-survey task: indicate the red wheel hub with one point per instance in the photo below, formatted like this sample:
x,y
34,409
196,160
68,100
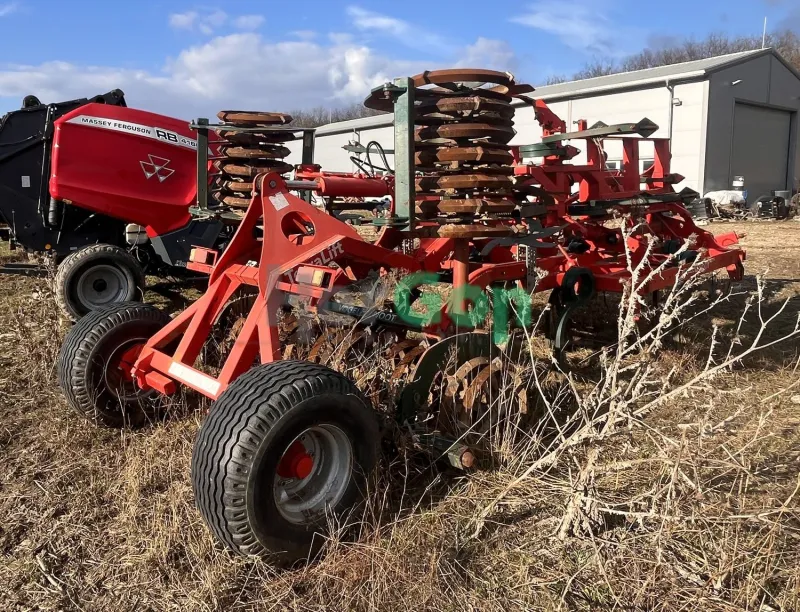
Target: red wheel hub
x,y
127,361
296,462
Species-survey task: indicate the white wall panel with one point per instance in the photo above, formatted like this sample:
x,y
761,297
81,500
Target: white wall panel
x,y
688,122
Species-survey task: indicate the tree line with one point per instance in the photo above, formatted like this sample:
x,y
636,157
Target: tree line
x,y
320,115
786,42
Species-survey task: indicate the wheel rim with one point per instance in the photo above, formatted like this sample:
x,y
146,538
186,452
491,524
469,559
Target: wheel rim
x,y
117,370
313,474
101,285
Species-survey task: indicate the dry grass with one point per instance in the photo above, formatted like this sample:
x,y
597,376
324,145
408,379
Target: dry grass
x,y
694,506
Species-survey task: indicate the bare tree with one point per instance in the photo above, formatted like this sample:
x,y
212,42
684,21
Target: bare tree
x,y
786,42
320,115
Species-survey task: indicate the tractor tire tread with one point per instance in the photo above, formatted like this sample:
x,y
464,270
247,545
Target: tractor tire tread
x,y
78,258
235,426
75,356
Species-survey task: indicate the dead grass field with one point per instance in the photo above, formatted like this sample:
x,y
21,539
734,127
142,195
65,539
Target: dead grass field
x,y
701,507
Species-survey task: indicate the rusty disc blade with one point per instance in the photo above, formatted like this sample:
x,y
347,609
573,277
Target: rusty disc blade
x,y
466,168
463,181
255,138
486,155
227,184
436,119
494,133
475,206
455,230
481,384
463,75
452,83
464,106
252,170
235,202
263,152
254,118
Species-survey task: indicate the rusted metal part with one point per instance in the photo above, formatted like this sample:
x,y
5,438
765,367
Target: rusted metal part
x,y
458,81
482,386
434,119
235,202
475,206
480,154
253,118
463,106
406,362
271,152
254,168
400,349
233,186
460,168
497,134
455,230
464,121
255,138
464,181
247,153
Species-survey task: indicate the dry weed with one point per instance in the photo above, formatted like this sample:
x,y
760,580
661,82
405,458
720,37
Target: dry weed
x,y
669,483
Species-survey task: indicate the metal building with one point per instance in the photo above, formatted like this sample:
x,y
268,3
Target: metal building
x,y
733,115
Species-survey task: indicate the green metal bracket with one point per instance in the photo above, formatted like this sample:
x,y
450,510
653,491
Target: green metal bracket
x,y
307,158
202,164
645,128
308,147
396,222
404,190
358,148
543,149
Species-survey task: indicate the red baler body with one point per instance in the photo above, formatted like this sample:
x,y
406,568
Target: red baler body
x,y
129,164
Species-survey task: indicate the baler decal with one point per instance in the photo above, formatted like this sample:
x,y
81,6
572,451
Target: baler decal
x,y
127,127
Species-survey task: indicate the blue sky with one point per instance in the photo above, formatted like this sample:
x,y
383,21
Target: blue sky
x,y
187,59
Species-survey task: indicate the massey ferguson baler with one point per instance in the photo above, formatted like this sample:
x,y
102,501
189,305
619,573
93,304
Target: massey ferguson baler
x,y
104,189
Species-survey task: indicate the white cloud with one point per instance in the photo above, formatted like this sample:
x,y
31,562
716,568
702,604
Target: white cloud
x,y
234,71
490,54
368,20
304,34
249,22
212,21
192,20
407,33
584,27
8,7
183,21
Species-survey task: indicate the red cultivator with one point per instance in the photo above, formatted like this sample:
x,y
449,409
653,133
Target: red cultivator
x,y
290,440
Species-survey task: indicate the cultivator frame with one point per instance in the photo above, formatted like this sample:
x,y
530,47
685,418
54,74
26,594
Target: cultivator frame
x,y
457,217
298,242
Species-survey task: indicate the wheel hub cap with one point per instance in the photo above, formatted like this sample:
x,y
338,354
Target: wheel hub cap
x,y
313,474
101,285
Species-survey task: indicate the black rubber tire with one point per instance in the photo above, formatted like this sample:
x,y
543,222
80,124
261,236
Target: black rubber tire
x,y
77,264
84,353
239,445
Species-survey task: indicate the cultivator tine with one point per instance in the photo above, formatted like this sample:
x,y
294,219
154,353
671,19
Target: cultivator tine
x,y
644,128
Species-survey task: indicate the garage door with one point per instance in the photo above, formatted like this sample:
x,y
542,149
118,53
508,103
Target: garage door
x,y
760,149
